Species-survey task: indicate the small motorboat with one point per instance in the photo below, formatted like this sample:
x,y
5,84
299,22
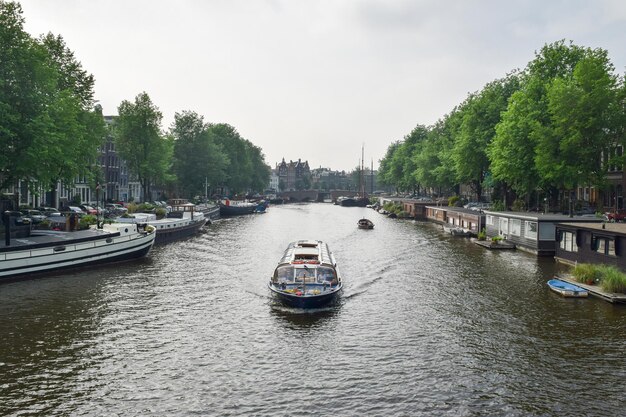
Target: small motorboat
x,y
306,275
365,224
566,289
457,231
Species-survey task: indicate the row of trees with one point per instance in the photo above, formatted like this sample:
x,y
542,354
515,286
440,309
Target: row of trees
x,y
191,156
51,127
551,127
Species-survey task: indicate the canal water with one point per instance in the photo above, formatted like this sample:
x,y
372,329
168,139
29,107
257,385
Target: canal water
x,y
427,324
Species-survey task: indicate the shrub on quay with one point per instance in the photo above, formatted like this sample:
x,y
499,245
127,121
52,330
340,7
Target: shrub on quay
x,y
587,273
608,277
612,279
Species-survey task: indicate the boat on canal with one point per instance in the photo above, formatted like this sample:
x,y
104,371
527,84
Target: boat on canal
x,y
182,221
365,224
45,251
236,208
566,289
306,275
457,231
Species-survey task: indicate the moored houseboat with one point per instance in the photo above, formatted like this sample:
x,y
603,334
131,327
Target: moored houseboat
x,y
181,222
49,251
530,232
306,275
236,208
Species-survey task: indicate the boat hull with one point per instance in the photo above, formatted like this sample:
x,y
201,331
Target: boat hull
x,y
233,210
305,301
566,289
62,252
171,234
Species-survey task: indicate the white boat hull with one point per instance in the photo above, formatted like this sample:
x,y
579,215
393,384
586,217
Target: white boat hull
x,y
62,251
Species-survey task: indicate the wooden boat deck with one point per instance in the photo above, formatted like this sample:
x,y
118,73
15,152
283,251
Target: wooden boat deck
x,y
596,290
43,238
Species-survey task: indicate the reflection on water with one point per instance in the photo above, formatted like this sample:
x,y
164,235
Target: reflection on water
x,y
427,324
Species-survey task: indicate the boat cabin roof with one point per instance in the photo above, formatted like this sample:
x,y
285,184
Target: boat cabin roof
x,y
307,251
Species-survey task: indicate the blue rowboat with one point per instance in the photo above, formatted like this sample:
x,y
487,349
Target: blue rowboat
x,y
566,289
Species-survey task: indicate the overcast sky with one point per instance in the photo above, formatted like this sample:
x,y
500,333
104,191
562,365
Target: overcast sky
x,y
316,79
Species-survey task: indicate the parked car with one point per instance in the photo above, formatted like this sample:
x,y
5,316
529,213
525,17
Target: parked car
x,y
35,216
116,209
89,209
18,223
49,211
616,215
75,209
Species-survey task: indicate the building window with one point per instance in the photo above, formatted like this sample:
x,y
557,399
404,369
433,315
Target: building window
x,y
489,220
568,242
530,230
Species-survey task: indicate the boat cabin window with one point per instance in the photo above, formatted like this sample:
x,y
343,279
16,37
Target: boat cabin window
x,y
325,274
284,274
305,275
305,257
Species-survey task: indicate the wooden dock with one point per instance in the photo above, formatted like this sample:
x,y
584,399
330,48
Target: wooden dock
x,y
596,290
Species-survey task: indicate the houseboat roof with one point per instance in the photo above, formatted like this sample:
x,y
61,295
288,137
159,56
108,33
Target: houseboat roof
x,y
458,210
541,217
618,228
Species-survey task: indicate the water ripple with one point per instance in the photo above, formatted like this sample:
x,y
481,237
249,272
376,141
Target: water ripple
x,y
427,325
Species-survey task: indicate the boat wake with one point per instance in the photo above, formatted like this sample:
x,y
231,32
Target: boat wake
x,y
360,289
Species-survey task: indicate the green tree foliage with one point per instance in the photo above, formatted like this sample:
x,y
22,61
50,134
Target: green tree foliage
x,y
48,131
559,122
197,161
140,142
385,167
579,106
439,170
247,170
480,115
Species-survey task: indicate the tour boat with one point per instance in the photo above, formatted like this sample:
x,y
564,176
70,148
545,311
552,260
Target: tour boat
x,y
235,208
47,251
566,289
306,276
365,224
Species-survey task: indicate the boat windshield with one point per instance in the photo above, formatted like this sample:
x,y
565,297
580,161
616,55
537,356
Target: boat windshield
x,y
325,274
284,274
305,275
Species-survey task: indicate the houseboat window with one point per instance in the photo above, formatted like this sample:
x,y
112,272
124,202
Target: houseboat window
x,y
504,226
530,230
325,274
515,227
601,246
605,246
284,274
568,242
547,231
